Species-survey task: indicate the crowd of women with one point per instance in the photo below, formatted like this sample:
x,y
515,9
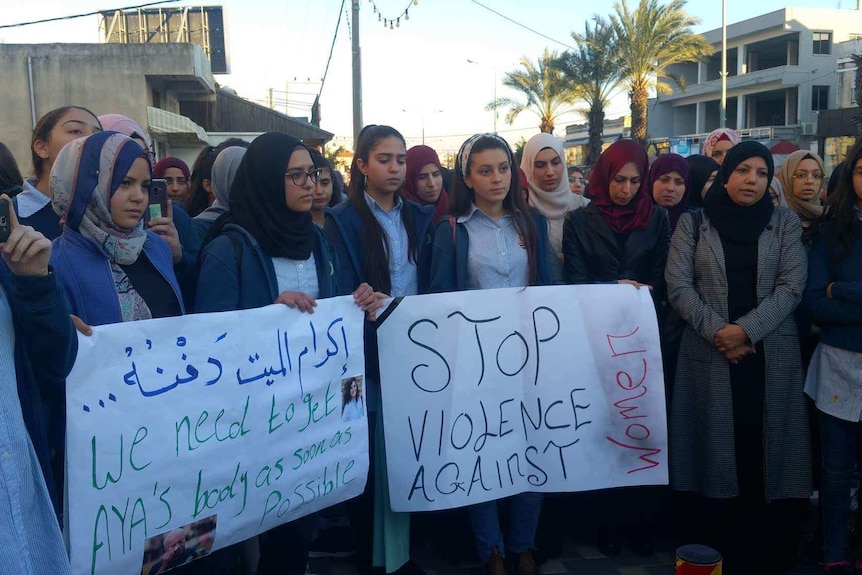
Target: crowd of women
x,y
758,295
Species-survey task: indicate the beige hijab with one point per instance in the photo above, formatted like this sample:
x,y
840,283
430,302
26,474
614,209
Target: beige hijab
x,y
807,210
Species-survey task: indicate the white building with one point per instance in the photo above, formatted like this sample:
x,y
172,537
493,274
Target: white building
x,y
781,69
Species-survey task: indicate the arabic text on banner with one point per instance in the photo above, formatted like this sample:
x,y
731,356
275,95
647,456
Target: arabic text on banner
x,y
209,429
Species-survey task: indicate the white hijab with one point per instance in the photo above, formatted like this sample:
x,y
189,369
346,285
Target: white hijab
x,y
556,204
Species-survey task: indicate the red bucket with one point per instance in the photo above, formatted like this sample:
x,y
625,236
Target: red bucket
x,y
697,560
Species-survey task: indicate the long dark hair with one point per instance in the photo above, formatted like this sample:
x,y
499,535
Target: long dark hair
x,y
461,198
840,207
10,176
198,198
42,131
320,161
376,254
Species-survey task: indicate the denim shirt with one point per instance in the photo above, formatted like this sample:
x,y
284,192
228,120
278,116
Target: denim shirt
x,y
405,279
30,543
297,275
497,256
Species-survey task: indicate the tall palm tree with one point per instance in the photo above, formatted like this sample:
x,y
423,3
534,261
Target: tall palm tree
x,y
594,71
545,88
649,40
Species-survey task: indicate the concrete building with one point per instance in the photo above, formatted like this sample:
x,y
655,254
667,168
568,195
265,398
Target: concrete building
x,y
781,75
839,128
577,139
168,89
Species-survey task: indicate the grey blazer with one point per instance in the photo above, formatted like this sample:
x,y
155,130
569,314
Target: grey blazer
x,y
701,439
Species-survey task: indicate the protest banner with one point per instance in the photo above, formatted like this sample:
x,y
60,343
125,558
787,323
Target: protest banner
x,y
497,392
189,434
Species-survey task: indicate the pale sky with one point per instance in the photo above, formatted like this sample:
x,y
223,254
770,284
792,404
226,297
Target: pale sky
x,y
420,66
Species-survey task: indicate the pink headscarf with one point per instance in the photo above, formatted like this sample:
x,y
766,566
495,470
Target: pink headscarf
x,y
124,125
717,136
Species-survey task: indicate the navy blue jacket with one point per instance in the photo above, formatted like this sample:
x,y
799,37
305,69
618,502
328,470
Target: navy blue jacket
x,y
84,273
45,350
186,268
227,284
839,318
449,261
343,229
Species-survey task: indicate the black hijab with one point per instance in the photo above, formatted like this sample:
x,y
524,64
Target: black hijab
x,y
257,199
700,167
739,224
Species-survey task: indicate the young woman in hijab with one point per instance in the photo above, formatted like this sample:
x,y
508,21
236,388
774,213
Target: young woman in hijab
x,y
382,239
424,182
833,299
487,221
544,162
267,250
701,172
327,190
175,172
200,195
718,142
188,240
223,174
620,237
111,269
801,177
53,131
739,426
668,184
577,183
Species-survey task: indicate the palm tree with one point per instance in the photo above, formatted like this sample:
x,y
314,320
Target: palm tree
x,y
649,40
544,87
594,72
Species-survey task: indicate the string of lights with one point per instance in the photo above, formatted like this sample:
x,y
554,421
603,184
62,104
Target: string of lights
x,y
393,23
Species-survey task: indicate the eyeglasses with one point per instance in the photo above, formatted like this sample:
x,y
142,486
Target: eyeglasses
x,y
816,176
573,179
300,178
181,181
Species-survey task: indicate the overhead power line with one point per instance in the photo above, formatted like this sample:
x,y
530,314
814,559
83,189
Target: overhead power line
x,y
73,16
525,27
331,48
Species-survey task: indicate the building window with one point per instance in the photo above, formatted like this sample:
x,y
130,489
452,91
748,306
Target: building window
x,y
819,98
822,43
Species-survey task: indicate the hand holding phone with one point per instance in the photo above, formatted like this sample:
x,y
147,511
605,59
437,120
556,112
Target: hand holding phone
x,y
24,250
157,206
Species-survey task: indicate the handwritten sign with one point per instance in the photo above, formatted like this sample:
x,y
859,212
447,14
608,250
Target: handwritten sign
x,y
201,431
497,392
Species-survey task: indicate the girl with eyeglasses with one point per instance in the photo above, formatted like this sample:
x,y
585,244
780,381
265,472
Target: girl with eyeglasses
x,y
266,249
801,180
577,183
382,239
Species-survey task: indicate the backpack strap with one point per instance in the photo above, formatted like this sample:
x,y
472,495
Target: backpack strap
x,y
237,249
453,222
697,217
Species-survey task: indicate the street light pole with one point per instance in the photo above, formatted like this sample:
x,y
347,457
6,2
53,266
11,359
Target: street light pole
x,y
471,61
722,117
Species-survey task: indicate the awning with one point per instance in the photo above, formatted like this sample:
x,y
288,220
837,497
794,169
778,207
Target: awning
x,y
175,127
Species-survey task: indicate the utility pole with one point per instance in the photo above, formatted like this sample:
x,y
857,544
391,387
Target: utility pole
x,y
357,76
722,117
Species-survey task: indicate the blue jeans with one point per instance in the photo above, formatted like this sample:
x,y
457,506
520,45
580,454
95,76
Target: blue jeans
x,y
523,522
842,447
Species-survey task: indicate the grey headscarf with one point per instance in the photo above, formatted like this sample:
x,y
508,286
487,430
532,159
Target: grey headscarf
x,y
223,172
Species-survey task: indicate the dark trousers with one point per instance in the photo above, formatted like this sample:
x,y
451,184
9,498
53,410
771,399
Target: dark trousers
x,y
841,443
284,549
360,510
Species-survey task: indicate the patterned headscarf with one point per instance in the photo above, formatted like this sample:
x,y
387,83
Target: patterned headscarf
x,y
807,209
124,125
717,136
83,180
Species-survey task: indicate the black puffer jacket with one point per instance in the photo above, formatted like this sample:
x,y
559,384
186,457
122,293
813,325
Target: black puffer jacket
x,y
592,253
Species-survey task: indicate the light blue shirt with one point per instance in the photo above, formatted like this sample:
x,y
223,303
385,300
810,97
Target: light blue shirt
x,y
30,540
297,275
402,271
497,256
353,409
30,200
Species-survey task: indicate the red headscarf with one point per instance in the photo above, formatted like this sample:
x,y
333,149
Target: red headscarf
x,y
170,162
637,213
417,158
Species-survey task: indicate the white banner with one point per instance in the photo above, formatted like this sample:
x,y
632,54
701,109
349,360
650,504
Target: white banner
x,y
189,434
491,393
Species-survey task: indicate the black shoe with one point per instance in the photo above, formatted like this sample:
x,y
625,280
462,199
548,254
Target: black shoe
x,y
409,568
610,543
642,544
